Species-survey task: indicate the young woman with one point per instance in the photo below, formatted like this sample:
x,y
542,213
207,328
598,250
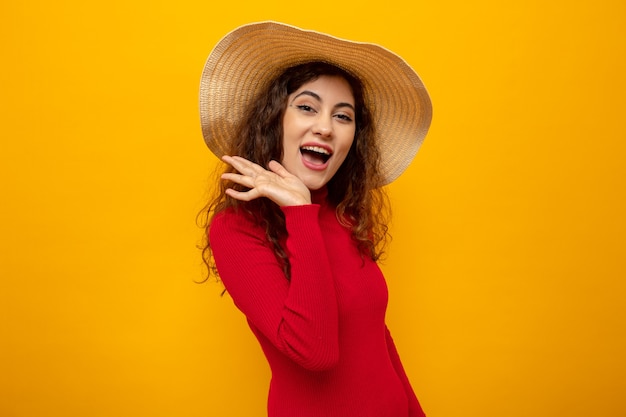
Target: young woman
x,y
310,128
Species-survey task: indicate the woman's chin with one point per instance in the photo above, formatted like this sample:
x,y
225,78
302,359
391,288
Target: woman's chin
x,y
314,187
314,184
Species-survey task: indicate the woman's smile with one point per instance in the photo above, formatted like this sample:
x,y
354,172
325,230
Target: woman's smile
x,y
316,156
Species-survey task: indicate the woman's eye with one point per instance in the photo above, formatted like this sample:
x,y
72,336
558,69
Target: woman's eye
x,y
344,117
306,108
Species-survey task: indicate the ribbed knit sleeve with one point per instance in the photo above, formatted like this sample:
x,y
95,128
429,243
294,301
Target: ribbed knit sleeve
x,y
298,316
415,409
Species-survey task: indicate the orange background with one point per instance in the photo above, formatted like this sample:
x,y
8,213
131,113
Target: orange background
x,y
507,266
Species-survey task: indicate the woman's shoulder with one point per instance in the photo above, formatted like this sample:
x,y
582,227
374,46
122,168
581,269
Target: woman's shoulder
x,y
234,221
233,231
231,214
234,218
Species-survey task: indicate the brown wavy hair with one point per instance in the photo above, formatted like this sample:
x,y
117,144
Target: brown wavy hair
x,y
355,190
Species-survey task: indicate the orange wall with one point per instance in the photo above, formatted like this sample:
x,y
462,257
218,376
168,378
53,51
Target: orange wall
x,y
507,266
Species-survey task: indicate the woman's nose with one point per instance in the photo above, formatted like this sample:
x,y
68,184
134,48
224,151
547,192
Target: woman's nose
x,y
323,128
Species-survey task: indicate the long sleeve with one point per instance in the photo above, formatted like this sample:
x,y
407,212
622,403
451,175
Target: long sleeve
x,y
298,316
415,409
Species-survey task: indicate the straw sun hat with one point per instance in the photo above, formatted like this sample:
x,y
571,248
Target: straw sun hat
x,y
248,58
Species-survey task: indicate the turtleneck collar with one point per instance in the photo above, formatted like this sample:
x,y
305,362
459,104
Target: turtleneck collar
x,y
319,196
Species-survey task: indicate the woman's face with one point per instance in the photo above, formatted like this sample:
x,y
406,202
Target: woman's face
x,y
318,129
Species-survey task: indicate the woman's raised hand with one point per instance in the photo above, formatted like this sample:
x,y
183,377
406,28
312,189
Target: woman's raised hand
x,y
277,183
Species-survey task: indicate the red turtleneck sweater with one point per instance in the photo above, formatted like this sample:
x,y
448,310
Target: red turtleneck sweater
x,y
323,332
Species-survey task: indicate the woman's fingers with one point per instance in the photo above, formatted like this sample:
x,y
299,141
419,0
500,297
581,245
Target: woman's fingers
x,y
277,183
244,180
244,166
278,169
243,195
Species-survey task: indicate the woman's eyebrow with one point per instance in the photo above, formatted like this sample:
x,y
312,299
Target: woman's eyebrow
x,y
308,93
338,105
318,98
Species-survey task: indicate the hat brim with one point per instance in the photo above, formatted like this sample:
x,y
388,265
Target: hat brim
x,y
248,58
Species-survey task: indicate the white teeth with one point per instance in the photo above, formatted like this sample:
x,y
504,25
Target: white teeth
x,y
316,149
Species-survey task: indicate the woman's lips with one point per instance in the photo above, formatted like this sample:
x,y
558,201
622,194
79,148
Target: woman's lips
x,y
315,156
313,164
